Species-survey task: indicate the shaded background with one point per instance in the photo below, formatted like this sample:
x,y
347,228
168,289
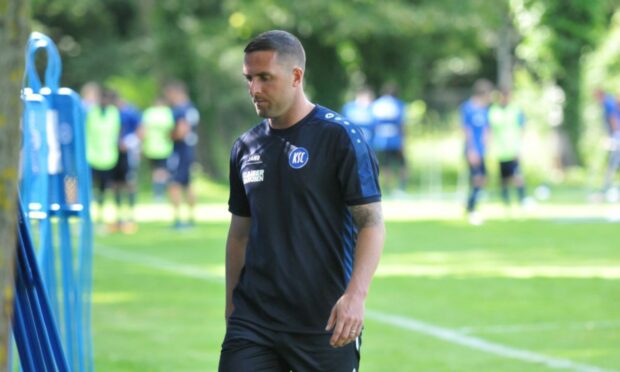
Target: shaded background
x,y
554,52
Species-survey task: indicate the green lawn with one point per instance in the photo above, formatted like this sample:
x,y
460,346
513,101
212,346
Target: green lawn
x,y
537,291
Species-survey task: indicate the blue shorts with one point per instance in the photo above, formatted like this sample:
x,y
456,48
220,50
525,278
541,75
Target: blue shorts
x,y
179,165
249,347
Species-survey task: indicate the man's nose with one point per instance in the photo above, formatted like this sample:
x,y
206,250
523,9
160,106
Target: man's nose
x,y
254,86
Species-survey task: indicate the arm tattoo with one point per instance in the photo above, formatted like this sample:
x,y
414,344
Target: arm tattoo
x,y
367,215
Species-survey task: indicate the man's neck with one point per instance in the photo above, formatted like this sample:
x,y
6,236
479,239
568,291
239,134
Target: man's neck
x,y
299,111
478,101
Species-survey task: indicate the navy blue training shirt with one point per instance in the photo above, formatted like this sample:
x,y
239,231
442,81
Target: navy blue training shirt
x,y
188,112
297,184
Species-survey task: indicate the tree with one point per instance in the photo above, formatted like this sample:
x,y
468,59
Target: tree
x,y
426,46
14,27
574,28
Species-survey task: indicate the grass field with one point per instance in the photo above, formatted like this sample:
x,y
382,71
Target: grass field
x,y
531,294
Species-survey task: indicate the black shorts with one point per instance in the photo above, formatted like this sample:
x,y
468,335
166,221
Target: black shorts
x,y
101,178
509,169
249,347
121,172
391,158
158,163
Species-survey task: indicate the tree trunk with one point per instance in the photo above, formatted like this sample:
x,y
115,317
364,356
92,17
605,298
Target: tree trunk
x,y
571,84
14,28
505,48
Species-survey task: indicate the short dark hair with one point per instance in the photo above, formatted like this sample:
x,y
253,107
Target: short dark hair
x,y
283,43
176,85
109,94
482,87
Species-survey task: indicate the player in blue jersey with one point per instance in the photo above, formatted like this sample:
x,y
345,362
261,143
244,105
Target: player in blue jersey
x,y
611,114
306,231
125,173
359,112
389,135
475,123
185,137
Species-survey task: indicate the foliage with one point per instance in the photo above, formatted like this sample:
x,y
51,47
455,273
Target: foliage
x,y
417,44
433,50
570,30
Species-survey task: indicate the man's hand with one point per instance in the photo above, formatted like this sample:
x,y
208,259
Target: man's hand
x,y
346,320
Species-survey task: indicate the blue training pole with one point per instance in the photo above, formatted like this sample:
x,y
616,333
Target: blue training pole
x,y
40,329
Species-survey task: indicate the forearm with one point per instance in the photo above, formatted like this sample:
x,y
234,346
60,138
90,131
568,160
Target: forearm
x,y
181,130
371,233
347,316
235,260
367,254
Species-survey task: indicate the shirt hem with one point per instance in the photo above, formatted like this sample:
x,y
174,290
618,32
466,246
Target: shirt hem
x,y
367,200
278,329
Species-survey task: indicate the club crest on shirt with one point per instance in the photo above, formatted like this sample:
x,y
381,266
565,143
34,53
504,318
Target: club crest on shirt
x,y
298,158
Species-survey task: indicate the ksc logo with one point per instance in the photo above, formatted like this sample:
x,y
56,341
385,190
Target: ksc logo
x,y
298,158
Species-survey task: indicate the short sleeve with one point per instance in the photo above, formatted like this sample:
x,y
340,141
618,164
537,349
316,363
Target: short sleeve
x,y
237,200
358,170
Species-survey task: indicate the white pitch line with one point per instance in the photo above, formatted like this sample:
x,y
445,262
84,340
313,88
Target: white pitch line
x,y
523,328
428,329
480,344
157,263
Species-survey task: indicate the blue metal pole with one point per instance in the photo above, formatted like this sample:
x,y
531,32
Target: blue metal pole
x,y
21,340
71,319
52,339
33,341
34,309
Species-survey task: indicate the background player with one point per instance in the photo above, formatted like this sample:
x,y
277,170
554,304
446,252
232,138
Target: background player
x,y
125,173
507,128
180,162
157,145
389,114
475,123
359,111
611,115
103,125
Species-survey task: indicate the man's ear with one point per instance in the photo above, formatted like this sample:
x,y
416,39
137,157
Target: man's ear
x,y
298,76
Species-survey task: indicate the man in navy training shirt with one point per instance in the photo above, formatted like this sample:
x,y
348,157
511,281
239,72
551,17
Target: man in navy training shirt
x,y
306,231
185,136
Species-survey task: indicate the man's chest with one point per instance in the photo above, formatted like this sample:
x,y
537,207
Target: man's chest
x,y
291,166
